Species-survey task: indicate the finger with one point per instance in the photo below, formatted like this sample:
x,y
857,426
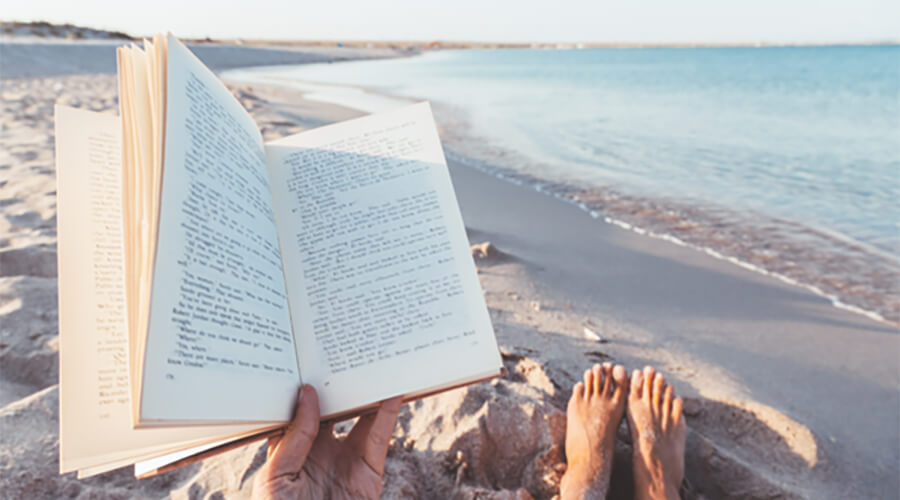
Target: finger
x,y
273,444
359,434
291,450
379,435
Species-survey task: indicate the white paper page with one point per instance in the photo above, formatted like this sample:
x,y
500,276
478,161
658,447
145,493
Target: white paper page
x,y
219,346
95,415
147,466
383,291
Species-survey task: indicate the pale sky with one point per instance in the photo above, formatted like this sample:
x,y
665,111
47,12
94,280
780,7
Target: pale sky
x,y
648,21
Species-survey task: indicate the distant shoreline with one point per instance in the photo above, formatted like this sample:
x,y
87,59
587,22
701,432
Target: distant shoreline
x,y
15,29
443,44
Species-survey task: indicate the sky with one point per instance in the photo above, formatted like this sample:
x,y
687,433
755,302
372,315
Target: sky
x,y
628,21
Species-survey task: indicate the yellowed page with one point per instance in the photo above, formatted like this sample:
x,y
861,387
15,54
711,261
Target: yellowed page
x,y
142,94
134,190
141,178
219,345
158,62
154,94
146,466
181,449
95,423
128,208
382,286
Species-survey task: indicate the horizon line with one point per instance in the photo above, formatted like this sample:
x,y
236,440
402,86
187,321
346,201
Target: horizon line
x,y
459,43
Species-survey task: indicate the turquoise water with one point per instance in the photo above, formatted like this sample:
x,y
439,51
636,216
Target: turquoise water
x,y
801,142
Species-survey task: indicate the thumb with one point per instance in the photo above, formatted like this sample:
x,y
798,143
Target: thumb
x,y
291,450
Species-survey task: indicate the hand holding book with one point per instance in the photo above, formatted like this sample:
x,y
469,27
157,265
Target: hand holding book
x,y
309,462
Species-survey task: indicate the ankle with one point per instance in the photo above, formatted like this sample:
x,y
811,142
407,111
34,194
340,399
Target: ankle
x,y
582,487
583,482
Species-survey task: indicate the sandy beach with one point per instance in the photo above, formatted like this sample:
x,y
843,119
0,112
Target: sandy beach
x,y
786,395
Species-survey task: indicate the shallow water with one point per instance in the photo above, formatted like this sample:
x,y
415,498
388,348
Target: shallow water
x,y
786,159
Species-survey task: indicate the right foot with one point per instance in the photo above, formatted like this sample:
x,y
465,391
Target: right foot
x,y
593,415
658,434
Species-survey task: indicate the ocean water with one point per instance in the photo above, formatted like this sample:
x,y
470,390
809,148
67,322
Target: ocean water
x,y
783,159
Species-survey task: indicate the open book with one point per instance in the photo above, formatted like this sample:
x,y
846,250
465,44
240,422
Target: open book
x,y
204,275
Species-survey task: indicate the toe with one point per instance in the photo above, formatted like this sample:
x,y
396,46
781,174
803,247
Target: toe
x,y
659,384
620,378
677,419
667,408
598,380
607,379
588,382
578,391
649,375
637,384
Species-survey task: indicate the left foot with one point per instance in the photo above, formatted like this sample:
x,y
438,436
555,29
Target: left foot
x,y
658,435
594,413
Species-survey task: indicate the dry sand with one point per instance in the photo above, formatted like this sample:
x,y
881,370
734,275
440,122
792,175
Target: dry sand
x,y
563,293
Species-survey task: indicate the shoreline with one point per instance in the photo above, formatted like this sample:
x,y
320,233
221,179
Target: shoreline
x,y
582,200
712,252
831,274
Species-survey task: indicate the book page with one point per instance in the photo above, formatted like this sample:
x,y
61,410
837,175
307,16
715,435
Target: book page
x,y
94,410
382,287
219,345
138,171
141,73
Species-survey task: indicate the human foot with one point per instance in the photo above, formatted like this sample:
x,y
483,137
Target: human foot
x,y
658,433
593,415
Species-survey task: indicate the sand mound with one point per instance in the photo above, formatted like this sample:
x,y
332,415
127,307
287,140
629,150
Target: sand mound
x,y
504,440
746,450
498,440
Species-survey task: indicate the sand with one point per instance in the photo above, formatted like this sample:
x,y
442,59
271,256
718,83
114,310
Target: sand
x,y
786,396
